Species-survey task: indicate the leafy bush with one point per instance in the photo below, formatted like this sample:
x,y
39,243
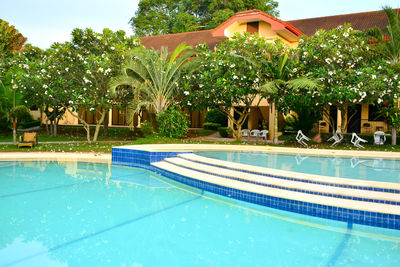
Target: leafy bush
x,y
173,122
211,126
146,128
29,124
216,116
225,131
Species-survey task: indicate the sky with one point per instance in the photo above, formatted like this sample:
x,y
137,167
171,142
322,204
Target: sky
x,y
44,22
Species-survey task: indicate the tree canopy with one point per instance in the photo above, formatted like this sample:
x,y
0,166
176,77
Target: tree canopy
x,y
166,16
11,39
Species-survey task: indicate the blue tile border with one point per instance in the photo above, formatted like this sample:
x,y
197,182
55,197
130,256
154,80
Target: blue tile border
x,y
143,159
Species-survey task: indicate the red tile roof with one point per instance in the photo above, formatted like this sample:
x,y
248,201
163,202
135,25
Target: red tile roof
x,y
173,40
359,21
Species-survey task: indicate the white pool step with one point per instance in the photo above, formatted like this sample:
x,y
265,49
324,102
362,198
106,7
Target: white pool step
x,y
294,185
279,193
312,178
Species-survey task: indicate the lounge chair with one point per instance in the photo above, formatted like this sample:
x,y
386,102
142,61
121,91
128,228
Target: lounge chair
x,y
337,138
355,140
301,138
255,133
246,133
263,135
379,138
29,139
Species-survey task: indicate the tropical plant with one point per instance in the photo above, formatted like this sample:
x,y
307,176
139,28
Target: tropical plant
x,y
281,82
389,48
349,70
91,60
154,78
225,80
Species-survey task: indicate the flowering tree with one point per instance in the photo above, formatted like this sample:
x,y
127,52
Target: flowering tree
x,y
227,78
44,84
92,60
350,72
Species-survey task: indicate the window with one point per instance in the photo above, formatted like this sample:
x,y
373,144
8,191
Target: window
x,y
373,113
252,27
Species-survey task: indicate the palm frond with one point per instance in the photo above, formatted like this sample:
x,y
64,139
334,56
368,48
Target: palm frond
x,y
303,83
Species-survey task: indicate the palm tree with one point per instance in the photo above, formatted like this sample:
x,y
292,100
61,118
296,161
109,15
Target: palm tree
x,y
390,49
154,77
280,81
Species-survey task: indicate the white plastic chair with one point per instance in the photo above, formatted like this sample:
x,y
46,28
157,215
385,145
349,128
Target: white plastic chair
x,y
254,133
337,138
246,133
263,135
379,138
301,138
355,140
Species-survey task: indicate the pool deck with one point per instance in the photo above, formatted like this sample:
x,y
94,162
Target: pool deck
x,y
55,156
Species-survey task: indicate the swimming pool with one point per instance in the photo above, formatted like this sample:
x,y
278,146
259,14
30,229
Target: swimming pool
x,y
384,170
87,214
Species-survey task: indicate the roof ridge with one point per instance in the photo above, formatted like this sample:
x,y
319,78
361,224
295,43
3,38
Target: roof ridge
x,y
375,11
174,34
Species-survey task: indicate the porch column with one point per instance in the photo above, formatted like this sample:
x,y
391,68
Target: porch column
x,y
339,121
271,127
110,117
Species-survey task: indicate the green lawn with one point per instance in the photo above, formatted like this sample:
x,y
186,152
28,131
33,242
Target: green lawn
x,y
124,136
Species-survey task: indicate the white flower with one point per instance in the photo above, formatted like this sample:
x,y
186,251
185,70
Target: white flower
x,y
232,66
186,92
235,77
70,102
45,86
88,72
380,67
328,60
112,47
189,104
295,70
100,69
373,76
345,34
66,69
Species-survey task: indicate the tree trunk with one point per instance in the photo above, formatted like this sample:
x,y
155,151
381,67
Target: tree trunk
x,y
14,123
96,132
105,124
394,135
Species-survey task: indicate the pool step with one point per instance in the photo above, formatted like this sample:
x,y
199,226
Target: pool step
x,y
295,176
279,193
297,186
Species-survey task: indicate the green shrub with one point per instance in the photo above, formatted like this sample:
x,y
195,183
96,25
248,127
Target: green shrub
x,y
146,128
211,126
173,122
216,116
225,131
29,124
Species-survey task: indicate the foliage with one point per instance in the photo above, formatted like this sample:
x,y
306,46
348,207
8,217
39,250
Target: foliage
x,y
173,122
216,116
211,126
349,71
19,112
225,131
146,128
167,16
153,77
225,79
10,39
82,69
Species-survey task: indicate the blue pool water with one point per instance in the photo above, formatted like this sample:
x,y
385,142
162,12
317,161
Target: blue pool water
x,y
385,170
85,214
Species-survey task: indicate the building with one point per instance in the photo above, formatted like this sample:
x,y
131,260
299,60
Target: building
x,y
271,28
